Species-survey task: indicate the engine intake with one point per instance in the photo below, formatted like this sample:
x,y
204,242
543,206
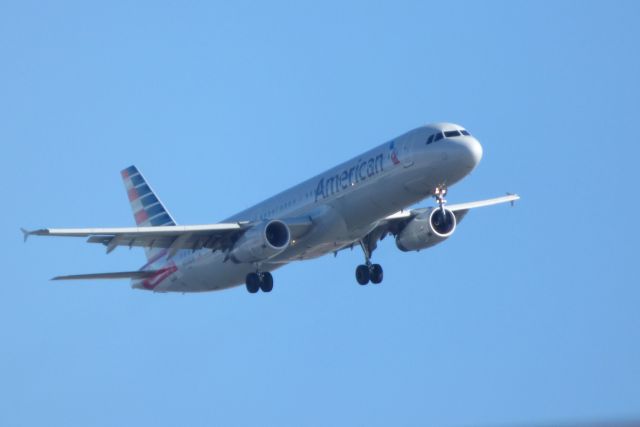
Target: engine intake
x,y
426,230
277,234
442,223
261,242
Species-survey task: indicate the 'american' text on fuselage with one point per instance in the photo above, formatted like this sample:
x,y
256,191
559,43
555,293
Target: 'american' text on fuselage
x,y
361,171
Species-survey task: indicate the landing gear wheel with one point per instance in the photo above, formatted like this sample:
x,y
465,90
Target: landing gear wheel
x,y
253,283
362,274
369,272
266,284
376,274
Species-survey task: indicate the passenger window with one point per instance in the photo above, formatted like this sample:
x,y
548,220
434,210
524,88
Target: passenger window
x,y
430,140
451,133
438,137
465,132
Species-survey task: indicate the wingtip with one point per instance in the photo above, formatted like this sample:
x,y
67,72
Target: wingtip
x,y
514,197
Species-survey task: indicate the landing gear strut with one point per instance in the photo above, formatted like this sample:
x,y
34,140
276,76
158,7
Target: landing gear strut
x,y
259,281
368,272
439,194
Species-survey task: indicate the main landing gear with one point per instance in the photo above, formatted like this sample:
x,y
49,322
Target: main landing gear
x,y
259,281
368,272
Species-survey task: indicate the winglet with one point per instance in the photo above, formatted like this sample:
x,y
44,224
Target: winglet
x,y
25,233
513,202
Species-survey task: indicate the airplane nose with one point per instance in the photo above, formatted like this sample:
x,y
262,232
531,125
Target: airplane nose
x,y
471,152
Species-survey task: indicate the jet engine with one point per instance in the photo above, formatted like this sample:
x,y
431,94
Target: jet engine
x,y
426,229
261,242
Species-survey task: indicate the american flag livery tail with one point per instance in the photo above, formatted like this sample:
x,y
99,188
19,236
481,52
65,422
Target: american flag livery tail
x,y
148,210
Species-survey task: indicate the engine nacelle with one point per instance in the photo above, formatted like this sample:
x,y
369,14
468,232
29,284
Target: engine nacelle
x,y
261,242
426,229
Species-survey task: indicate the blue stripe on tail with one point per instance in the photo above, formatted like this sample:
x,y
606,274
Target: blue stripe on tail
x,y
148,210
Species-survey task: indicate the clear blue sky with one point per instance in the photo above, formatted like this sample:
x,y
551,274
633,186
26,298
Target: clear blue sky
x,y
527,315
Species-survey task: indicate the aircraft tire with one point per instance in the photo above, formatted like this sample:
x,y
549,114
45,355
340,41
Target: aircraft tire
x,y
376,274
252,282
362,274
266,284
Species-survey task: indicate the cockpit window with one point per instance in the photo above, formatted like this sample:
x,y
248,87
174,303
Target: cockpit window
x,y
430,140
452,133
465,132
438,137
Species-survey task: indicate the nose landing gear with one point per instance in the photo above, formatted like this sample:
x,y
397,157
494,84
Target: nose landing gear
x,y
439,193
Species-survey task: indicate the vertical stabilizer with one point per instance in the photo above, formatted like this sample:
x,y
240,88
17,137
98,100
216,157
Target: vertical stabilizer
x,y
148,210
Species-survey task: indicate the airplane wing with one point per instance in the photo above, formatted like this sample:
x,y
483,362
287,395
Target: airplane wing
x,y
139,274
456,208
509,198
394,223
174,237
221,236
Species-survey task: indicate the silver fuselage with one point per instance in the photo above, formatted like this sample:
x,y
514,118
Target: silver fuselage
x,y
344,203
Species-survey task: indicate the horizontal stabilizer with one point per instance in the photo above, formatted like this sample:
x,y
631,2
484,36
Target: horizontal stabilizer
x,y
117,275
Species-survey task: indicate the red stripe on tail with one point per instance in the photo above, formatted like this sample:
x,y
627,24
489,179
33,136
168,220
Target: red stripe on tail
x,y
141,216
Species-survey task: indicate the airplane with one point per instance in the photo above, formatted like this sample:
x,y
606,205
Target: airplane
x,y
356,203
